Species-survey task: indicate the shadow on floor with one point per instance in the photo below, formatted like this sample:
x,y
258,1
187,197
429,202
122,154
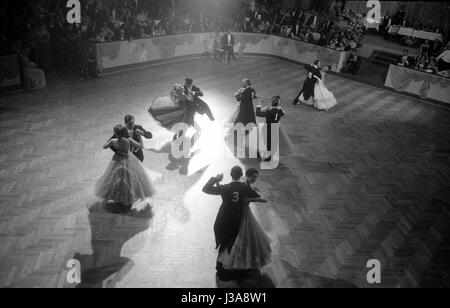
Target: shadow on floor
x,y
298,279
253,280
112,227
181,164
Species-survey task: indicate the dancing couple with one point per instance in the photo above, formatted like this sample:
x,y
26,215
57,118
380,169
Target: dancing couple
x,y
180,106
314,92
245,115
126,180
243,246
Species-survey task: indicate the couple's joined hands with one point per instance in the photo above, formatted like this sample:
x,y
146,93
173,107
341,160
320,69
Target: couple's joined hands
x,y
219,178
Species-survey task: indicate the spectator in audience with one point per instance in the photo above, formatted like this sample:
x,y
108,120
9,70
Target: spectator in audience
x,y
417,25
436,47
385,24
353,63
405,60
89,64
105,21
311,23
425,49
429,26
438,30
121,35
105,34
399,17
297,29
132,29
228,45
301,17
421,63
142,19
322,22
160,31
432,66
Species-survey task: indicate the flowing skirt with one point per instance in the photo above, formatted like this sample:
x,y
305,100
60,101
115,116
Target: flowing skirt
x,y
125,181
323,98
244,114
251,250
167,112
286,145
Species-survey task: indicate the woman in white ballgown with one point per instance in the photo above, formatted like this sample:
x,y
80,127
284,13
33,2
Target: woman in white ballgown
x,y
323,98
251,249
125,181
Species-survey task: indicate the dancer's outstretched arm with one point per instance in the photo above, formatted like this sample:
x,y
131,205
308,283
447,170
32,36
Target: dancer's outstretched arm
x,y
257,200
108,145
260,112
211,188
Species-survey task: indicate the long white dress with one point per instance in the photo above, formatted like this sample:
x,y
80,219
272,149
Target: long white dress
x,y
323,98
125,180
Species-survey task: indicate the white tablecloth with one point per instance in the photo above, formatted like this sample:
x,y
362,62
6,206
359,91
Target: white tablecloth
x,y
415,33
406,31
394,29
428,35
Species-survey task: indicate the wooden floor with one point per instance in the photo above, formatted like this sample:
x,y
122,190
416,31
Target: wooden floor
x,y
370,180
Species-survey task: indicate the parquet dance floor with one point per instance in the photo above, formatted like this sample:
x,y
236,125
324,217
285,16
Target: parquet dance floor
x,y
370,180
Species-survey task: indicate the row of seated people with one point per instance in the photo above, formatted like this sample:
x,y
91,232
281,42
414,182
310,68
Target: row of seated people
x,y
422,62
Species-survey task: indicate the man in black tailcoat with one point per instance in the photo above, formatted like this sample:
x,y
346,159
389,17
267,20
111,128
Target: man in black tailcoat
x,y
229,219
136,132
194,93
228,45
308,87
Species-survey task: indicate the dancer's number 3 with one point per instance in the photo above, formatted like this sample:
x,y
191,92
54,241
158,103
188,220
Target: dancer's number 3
x,y
235,197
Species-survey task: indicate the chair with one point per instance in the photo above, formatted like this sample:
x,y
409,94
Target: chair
x,y
219,52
